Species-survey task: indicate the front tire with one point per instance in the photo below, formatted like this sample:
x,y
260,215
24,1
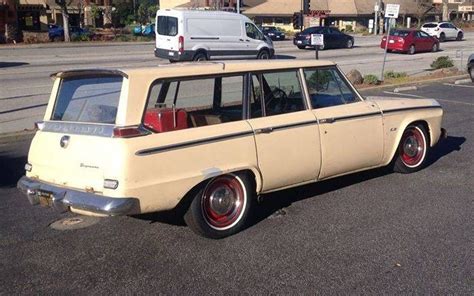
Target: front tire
x,y
350,43
435,47
221,208
412,150
412,50
263,55
471,72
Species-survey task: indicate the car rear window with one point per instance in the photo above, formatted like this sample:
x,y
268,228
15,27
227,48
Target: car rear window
x,y
167,25
399,33
430,25
91,99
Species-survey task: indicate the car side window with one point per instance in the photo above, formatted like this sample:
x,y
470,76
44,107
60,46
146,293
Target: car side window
x,y
327,88
444,26
253,32
424,35
281,92
179,104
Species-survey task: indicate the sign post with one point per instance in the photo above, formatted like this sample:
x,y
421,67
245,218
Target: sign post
x,y
391,12
317,40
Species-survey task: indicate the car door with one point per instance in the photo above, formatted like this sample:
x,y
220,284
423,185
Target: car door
x,y
286,131
253,39
350,128
426,40
329,38
340,39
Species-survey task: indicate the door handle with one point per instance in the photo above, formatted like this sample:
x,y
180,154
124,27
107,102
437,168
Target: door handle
x,y
327,120
241,39
248,40
265,130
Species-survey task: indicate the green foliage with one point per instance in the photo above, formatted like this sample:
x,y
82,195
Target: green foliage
x,y
80,37
442,62
348,28
319,80
393,74
146,11
371,79
123,14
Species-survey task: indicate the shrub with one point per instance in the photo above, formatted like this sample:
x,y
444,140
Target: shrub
x,y
371,79
393,74
442,62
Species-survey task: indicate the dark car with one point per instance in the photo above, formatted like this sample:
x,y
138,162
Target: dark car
x,y
410,41
333,38
56,33
470,66
273,33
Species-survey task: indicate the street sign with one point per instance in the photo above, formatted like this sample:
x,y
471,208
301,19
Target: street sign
x,y
392,10
317,39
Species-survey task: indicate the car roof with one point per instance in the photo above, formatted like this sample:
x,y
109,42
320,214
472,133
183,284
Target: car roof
x,y
193,69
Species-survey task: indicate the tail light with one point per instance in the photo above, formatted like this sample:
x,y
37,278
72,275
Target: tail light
x,y
307,37
181,44
401,40
130,132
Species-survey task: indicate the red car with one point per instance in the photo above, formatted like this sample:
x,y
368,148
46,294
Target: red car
x,y
410,41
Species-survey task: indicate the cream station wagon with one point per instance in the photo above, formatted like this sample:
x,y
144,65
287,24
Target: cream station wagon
x,y
211,137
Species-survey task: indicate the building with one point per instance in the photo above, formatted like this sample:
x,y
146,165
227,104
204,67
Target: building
x,y
458,9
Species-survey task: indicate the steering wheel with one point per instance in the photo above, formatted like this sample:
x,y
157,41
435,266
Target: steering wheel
x,y
275,102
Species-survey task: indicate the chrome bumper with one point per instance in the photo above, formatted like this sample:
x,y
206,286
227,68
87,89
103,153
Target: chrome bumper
x,y
62,199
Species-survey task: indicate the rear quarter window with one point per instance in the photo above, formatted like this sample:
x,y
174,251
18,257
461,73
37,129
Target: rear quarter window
x,y
92,99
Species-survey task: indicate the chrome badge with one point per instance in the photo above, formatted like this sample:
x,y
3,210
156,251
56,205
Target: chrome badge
x,y
64,142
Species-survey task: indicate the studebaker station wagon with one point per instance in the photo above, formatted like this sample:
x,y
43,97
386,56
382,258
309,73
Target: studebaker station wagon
x,y
211,137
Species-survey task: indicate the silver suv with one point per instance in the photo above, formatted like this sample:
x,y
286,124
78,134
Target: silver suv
x,y
443,31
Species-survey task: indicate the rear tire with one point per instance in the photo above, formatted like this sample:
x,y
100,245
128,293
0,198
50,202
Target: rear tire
x,y
263,55
471,72
200,56
460,36
222,206
412,150
301,46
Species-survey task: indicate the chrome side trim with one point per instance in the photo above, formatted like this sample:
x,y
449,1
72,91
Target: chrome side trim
x,y
61,199
410,109
349,117
100,130
154,150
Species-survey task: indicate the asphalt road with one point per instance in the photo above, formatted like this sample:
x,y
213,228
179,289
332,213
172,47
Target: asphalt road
x,y
368,233
25,84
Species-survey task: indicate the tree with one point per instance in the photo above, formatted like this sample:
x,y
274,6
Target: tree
x,y
422,8
63,5
146,10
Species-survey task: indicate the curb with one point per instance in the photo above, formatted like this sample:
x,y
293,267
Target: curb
x,y
382,87
75,44
462,81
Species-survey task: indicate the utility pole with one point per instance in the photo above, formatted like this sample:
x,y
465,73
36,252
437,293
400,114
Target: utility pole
x,y
238,6
378,7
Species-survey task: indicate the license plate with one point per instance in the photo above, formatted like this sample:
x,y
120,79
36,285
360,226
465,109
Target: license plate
x,y
391,41
299,42
171,53
45,198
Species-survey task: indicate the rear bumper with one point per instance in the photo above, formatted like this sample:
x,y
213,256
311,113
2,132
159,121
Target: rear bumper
x,y
62,199
174,55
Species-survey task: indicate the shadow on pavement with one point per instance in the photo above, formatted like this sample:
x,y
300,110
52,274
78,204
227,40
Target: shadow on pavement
x,y
284,57
12,169
274,203
12,64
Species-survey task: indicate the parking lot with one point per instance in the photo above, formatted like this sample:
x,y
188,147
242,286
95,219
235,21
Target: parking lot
x,y
368,233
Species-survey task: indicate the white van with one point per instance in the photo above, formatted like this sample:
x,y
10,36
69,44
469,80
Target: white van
x,y
195,35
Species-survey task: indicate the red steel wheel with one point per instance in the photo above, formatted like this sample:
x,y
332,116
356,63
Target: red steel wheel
x,y
413,147
223,201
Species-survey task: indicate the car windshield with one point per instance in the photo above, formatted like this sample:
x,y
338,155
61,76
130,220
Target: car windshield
x,y
93,100
430,25
399,33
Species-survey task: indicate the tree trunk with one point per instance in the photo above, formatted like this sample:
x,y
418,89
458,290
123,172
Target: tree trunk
x,y
445,11
65,23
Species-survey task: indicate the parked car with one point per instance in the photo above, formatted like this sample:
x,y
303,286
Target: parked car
x,y
273,33
193,35
333,38
204,139
410,41
144,30
443,31
56,33
470,66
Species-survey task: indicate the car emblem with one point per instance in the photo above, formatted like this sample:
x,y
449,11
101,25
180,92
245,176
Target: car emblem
x,y
64,142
